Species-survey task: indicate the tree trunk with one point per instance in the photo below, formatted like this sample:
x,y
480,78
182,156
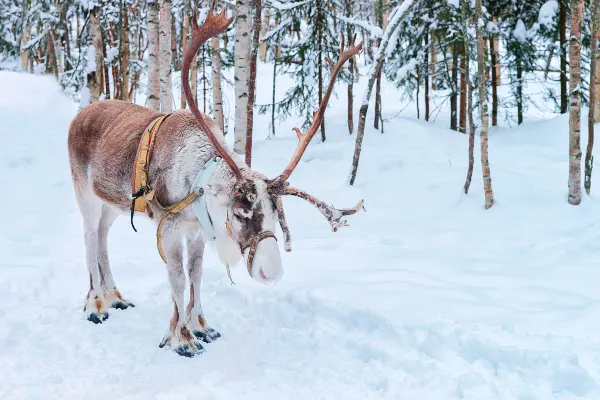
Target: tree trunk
x,y
401,11
105,44
94,61
320,21
495,68
263,31
596,56
216,85
471,123
252,82
51,53
184,44
454,85
427,75
563,55
575,103
379,20
242,63
483,107
125,55
433,60
164,40
589,159
519,89
462,121
25,38
174,53
153,99
378,99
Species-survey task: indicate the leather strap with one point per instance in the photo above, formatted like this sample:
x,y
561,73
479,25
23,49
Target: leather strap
x,y
139,181
253,244
171,211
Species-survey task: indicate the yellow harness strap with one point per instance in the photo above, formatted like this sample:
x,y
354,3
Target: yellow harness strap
x,y
140,170
170,213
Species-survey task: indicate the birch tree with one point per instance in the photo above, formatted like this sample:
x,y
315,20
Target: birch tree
x,y
589,159
241,74
252,80
575,103
164,40
483,105
153,64
94,60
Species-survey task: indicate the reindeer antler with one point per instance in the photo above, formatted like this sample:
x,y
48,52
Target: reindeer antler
x,y
213,25
333,215
305,138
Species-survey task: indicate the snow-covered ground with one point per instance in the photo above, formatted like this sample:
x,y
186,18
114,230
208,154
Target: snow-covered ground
x,y
425,296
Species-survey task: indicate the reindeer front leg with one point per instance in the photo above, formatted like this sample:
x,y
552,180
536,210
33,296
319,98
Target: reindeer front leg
x,y
179,337
195,316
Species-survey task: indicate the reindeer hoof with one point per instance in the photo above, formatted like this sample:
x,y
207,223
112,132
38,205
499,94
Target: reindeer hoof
x,y
207,336
97,318
189,347
121,305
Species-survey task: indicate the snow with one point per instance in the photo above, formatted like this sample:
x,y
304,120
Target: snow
x,y
427,295
374,30
520,31
547,13
90,65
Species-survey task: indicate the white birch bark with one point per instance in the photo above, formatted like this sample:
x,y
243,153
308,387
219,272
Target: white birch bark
x,y
153,99
216,85
575,103
95,69
164,43
242,64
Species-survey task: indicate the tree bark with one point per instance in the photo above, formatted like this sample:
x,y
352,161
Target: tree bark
x,y
379,20
426,69
185,41
25,37
51,53
377,63
252,83
263,31
241,61
462,121
483,107
433,60
164,40
575,103
471,123
589,159
596,56
125,55
563,55
94,60
454,85
495,68
320,21
153,99
174,53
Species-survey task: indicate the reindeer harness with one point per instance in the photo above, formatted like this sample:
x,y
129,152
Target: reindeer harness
x,y
143,196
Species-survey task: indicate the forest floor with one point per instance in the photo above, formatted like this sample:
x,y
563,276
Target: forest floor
x,y
427,295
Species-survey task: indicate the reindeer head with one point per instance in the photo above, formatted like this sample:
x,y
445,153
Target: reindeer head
x,y
248,209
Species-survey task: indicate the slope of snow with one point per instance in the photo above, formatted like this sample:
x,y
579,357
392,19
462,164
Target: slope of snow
x,y
425,296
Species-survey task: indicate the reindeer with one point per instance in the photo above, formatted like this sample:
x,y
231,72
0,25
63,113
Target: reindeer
x,y
241,207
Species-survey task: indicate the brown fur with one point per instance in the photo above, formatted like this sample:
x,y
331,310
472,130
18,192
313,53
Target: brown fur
x,y
104,137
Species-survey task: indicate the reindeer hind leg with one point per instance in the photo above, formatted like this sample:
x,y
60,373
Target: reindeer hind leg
x,y
91,210
111,293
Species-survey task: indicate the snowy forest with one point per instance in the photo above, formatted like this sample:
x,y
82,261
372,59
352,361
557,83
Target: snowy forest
x,y
455,136
477,64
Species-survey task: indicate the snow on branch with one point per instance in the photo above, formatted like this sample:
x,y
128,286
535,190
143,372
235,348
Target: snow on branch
x,y
286,6
374,30
548,13
284,24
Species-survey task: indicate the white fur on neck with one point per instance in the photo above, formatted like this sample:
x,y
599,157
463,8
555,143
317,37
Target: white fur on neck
x,y
228,250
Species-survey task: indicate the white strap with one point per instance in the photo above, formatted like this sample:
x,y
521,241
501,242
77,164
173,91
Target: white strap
x,y
199,205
